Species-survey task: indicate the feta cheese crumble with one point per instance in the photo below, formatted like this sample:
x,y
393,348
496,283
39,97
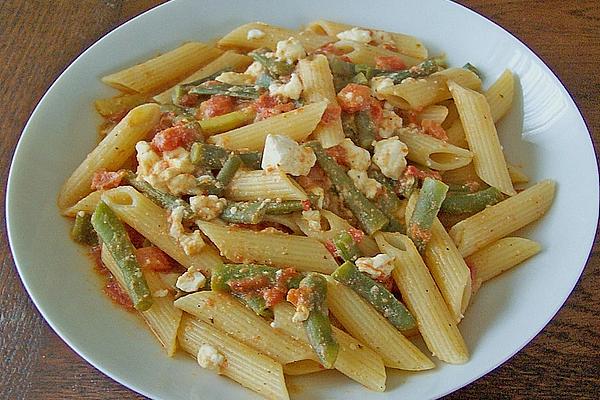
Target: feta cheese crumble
x,y
191,281
290,50
191,243
379,267
301,313
356,157
287,155
368,186
379,83
255,34
209,357
292,89
255,69
390,123
355,34
207,207
390,157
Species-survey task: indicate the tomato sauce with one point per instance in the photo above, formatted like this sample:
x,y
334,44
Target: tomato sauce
x,y
104,180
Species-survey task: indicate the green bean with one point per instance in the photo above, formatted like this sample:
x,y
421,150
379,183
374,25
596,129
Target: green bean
x,y
318,326
210,185
226,275
367,71
230,167
376,294
275,67
430,200
421,70
114,236
227,122
341,67
284,207
163,199
365,129
256,303
244,212
370,217
459,203
388,202
346,246
239,91
360,79
83,231
213,157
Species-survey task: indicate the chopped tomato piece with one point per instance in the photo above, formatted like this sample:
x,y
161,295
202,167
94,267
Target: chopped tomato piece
x,y
277,294
434,129
332,113
306,206
409,117
376,112
167,120
216,105
104,180
189,100
411,170
346,58
339,154
353,98
390,63
153,258
356,234
330,48
300,296
117,294
315,178
249,285
174,137
268,106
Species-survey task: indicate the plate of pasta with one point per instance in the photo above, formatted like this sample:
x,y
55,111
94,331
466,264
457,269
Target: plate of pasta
x,y
302,202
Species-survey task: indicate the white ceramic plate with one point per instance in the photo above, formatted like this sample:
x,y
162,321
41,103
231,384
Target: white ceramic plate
x,y
544,132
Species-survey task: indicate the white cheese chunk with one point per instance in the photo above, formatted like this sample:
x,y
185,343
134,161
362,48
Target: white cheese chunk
x,y
191,281
210,358
390,123
390,156
207,207
368,186
379,83
355,34
287,155
290,50
379,267
255,69
255,34
291,90
301,313
357,157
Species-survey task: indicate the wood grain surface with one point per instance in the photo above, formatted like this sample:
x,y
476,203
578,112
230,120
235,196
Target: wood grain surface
x,y
38,40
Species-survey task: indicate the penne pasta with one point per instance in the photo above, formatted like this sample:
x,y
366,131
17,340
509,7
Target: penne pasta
x,y
361,53
422,297
355,360
228,60
278,249
318,86
500,256
296,124
160,72
302,367
151,221
435,113
243,364
482,137
117,106
162,317
87,204
364,323
446,265
517,175
419,93
111,153
431,152
238,38
499,220
229,315
260,184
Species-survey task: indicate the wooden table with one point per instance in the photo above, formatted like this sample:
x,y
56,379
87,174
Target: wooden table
x,y
39,38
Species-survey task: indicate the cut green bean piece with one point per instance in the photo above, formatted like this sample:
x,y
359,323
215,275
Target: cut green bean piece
x,y
318,326
428,205
227,122
114,236
365,129
370,217
275,67
83,231
213,157
230,167
346,246
256,303
376,294
459,203
163,199
421,70
244,212
284,207
227,277
210,185
388,202
225,89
